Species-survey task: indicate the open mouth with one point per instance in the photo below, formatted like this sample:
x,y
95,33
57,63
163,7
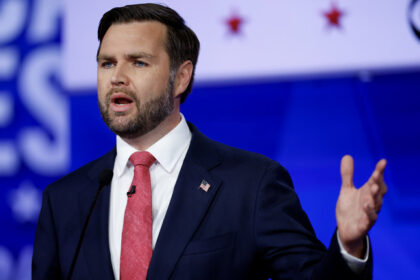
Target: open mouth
x,y
121,99
121,102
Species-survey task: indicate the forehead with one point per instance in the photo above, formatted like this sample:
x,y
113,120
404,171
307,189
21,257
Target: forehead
x,y
147,36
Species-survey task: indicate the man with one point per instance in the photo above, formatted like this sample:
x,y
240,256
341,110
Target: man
x,y
193,208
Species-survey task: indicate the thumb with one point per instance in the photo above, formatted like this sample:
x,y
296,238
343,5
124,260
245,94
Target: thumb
x,y
347,170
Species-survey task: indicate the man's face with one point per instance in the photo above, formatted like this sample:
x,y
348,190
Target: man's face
x,y
135,86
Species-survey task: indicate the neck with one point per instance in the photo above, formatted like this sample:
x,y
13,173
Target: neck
x,y
143,142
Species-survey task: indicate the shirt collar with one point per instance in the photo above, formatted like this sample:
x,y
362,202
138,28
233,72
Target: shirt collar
x,y
167,150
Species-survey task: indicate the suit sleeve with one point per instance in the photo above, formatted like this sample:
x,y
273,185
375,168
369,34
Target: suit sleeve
x,y
285,238
45,264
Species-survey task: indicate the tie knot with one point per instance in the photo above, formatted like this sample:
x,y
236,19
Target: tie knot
x,y
142,158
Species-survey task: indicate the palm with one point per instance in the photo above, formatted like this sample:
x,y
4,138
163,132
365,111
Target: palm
x,y
357,209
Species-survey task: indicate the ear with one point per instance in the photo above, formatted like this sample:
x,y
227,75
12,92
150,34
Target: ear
x,y
183,78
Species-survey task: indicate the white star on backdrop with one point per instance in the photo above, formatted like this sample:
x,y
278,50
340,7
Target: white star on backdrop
x,y
25,202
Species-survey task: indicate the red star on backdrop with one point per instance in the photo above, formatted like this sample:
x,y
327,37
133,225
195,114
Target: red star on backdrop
x,y
334,16
235,23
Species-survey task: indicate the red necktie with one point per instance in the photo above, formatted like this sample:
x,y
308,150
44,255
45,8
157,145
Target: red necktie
x,y
136,242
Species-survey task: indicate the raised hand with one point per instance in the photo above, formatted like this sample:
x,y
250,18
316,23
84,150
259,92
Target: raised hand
x,y
357,209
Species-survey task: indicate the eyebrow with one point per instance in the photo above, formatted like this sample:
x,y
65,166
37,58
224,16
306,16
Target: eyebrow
x,y
104,57
139,55
131,56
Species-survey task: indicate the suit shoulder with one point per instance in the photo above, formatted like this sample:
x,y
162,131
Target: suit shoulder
x,y
249,168
243,157
209,149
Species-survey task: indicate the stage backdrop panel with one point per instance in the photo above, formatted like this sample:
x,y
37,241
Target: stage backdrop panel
x,y
259,39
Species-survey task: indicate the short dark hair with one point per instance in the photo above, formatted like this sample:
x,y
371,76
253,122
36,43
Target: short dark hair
x,y
181,42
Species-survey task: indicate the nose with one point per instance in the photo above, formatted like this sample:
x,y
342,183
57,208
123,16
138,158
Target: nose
x,y
119,77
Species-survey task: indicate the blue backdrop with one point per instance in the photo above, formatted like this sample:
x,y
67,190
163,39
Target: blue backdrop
x,y
308,125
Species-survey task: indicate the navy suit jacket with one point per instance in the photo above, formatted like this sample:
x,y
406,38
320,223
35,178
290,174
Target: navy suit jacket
x,y
248,225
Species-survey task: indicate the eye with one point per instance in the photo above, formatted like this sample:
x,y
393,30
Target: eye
x,y
140,63
107,64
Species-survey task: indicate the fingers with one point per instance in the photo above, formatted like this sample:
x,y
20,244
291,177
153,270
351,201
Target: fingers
x,y
371,213
373,199
380,166
377,188
378,173
376,198
347,170
377,178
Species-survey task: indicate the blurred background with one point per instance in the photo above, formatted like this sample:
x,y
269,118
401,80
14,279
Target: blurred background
x,y
303,82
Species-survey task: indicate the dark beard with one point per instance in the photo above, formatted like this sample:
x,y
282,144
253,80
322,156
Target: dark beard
x,y
149,114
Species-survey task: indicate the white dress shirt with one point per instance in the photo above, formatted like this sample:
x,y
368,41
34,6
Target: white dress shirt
x,y
170,153
356,265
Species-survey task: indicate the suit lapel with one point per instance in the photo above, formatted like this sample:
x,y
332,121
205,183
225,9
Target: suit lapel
x,y
188,206
95,248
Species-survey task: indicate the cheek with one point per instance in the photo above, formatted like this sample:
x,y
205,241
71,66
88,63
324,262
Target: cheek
x,y
101,91
102,80
103,77
157,81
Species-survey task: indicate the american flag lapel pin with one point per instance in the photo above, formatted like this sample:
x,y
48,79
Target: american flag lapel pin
x,y
205,186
